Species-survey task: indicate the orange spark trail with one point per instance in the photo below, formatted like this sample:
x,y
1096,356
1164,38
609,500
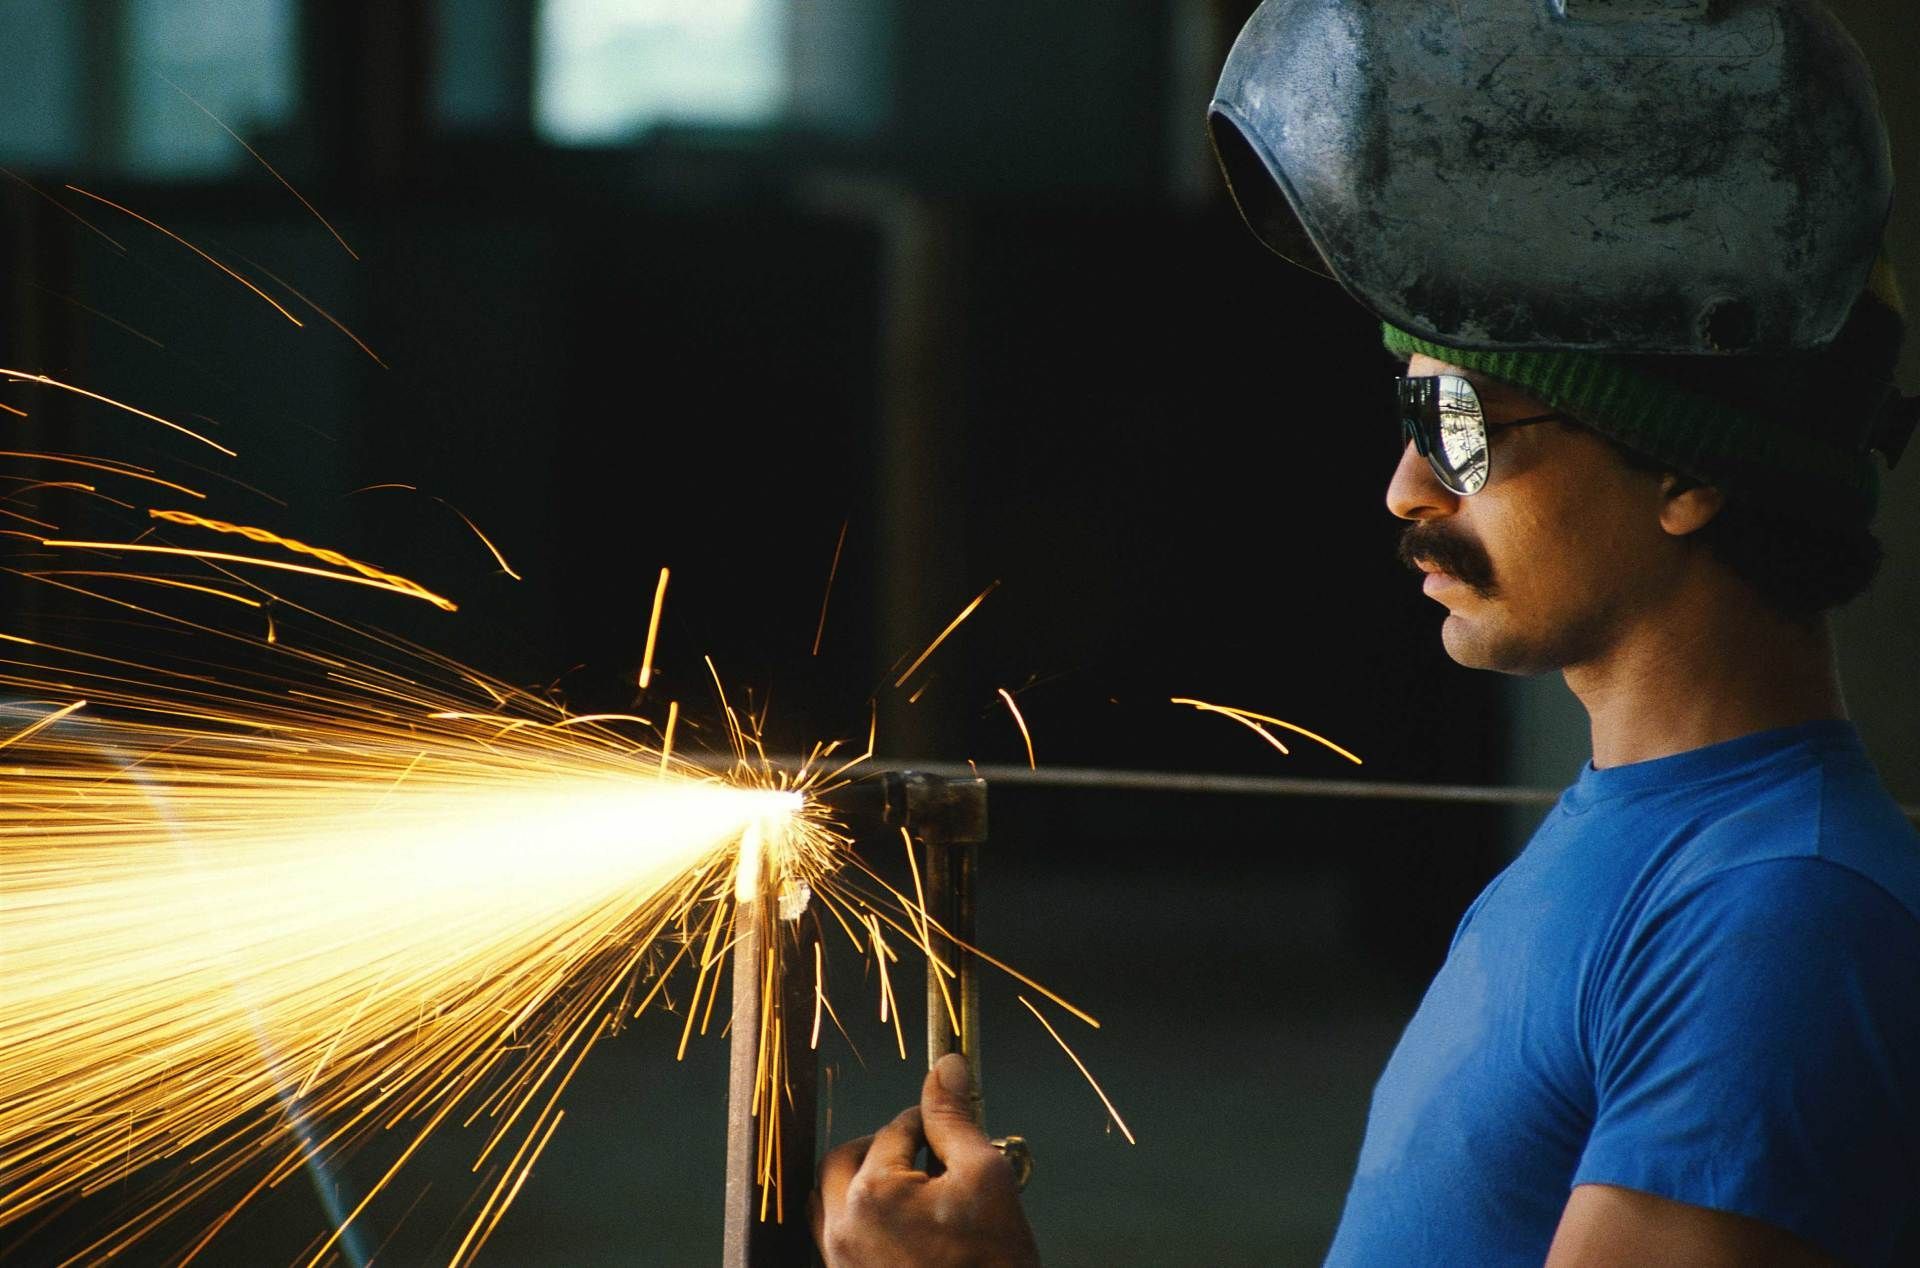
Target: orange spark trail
x,y
1247,715
1085,1073
484,540
29,376
94,312
464,518
666,739
42,723
11,410
653,630
952,625
833,570
271,171
400,585
17,179
236,276
1022,723
99,464
387,580
151,580
333,321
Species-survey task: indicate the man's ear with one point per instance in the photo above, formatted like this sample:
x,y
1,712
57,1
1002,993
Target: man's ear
x,y
1687,506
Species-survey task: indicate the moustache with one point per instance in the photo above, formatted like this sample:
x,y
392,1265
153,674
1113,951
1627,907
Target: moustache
x,y
1452,552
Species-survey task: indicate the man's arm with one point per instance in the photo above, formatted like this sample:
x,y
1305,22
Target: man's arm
x,y
874,1207
1605,1225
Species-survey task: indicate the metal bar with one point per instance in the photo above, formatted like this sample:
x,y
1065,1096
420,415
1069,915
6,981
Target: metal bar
x,y
1240,785
1250,785
952,872
782,1238
742,1073
1161,781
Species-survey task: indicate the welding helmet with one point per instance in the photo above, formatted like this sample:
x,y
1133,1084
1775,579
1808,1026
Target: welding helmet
x,y
1618,176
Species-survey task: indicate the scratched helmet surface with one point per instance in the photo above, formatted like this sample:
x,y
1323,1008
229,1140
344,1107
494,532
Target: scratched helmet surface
x,y
1656,176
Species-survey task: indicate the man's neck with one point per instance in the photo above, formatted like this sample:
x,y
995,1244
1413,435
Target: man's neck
x,y
1704,672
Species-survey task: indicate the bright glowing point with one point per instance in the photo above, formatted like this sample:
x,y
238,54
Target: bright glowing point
x,y
763,846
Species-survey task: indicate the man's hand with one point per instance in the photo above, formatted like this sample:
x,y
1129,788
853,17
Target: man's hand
x,y
875,1208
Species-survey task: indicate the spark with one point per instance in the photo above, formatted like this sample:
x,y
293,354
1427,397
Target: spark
x,y
1022,724
399,585
666,739
484,539
1085,1073
260,159
190,912
330,319
17,179
100,464
952,625
653,630
819,993
833,570
94,312
19,413
149,579
1248,717
42,724
229,271
386,580
255,918
30,376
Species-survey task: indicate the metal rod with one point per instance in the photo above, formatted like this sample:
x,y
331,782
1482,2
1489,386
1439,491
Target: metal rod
x,y
1242,785
782,1238
1248,785
742,1073
952,872
1160,781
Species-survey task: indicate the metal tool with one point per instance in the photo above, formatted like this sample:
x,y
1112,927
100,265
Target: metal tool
x,y
947,816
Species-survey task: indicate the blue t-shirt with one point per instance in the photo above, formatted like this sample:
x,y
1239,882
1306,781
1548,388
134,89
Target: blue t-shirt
x,y
1701,980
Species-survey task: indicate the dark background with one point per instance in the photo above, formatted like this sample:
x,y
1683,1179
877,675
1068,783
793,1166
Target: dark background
x,y
972,290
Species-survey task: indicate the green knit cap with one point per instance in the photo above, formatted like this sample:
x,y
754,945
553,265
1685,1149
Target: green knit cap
x,y
1785,432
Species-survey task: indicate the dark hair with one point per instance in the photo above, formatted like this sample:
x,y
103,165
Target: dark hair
x,y
1799,568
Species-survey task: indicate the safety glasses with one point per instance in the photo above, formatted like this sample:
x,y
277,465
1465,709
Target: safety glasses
x,y
1442,415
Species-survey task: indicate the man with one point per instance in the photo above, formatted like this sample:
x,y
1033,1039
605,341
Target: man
x,y
1629,252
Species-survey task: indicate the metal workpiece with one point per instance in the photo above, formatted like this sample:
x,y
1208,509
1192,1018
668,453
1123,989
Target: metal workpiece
x,y
952,876
783,1237
946,816
930,806
1557,173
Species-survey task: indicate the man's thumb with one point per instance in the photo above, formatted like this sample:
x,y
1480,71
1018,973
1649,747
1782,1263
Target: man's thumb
x,y
946,1107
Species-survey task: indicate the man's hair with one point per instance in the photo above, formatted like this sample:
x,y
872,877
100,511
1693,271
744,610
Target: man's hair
x,y
1800,569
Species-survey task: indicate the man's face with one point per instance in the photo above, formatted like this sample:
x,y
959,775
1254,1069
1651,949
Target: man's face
x,y
1548,564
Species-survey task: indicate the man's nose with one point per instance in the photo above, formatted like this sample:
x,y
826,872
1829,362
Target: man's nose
x,y
1415,493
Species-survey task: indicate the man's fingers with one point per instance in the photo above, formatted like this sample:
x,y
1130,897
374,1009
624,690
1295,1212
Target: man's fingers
x,y
837,1170
895,1144
946,1112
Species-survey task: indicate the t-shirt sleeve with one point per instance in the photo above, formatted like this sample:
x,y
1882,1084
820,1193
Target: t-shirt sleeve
x,y
1756,1049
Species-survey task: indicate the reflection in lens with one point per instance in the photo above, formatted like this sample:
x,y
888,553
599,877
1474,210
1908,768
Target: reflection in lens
x,y
1462,435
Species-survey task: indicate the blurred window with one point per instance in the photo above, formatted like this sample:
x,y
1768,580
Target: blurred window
x,y
240,66
606,70
86,84
42,117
